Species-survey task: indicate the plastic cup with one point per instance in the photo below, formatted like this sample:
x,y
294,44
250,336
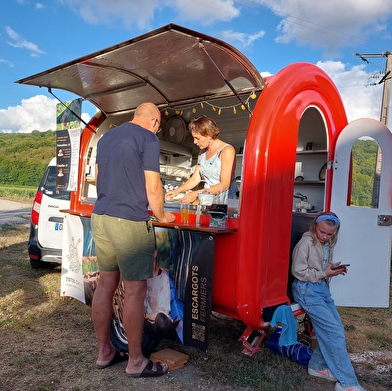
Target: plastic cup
x,y
184,213
192,214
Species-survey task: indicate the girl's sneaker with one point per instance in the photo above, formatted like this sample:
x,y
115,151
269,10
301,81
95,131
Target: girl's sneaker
x,y
322,373
339,387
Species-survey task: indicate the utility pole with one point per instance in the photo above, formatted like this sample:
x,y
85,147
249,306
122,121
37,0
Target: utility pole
x,y
386,79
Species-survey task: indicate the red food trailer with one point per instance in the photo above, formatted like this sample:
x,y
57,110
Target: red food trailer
x,y
294,159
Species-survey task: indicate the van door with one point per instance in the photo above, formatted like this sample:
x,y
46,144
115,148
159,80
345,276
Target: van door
x,y
365,233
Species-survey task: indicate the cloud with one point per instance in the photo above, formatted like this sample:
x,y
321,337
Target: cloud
x,y
329,24
242,38
36,113
205,11
359,102
143,12
9,63
19,42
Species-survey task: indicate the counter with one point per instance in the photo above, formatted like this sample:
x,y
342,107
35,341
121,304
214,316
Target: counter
x,y
184,264
196,228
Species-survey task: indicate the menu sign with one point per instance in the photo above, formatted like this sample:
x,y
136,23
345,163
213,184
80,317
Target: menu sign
x,y
67,143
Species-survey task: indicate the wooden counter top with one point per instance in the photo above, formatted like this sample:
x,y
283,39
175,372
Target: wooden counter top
x,y
175,225
192,227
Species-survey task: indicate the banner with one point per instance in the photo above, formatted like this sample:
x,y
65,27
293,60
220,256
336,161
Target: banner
x,y
179,296
184,268
68,143
71,267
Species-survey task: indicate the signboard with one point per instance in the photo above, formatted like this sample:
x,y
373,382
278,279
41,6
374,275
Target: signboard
x,y
68,143
71,265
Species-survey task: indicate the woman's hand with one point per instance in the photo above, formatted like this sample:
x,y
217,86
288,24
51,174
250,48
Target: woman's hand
x,y
171,194
189,197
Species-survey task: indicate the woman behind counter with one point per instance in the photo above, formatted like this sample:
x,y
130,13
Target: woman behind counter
x,y
215,165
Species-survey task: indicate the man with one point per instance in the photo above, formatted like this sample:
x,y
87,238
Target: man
x,y
128,180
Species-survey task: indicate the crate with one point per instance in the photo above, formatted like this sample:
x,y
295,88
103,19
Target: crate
x,y
173,358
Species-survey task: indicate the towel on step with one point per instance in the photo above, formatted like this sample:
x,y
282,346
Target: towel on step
x,y
284,315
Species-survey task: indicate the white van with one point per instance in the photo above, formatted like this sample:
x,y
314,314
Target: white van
x,y
46,228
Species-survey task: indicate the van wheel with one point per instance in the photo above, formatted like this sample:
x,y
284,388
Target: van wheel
x,y
36,264
119,340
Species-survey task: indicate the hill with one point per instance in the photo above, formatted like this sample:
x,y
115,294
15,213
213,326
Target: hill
x,y
24,157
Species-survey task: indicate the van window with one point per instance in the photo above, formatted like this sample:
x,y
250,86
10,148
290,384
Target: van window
x,y
48,185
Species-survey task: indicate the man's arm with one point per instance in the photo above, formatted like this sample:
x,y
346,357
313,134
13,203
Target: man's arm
x,y
155,196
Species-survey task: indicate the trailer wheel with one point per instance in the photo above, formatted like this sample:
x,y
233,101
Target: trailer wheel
x,y
119,340
118,337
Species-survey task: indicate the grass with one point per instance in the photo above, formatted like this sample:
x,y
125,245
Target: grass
x,y
48,342
18,193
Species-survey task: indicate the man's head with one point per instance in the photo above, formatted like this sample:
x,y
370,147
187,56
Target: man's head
x,y
148,116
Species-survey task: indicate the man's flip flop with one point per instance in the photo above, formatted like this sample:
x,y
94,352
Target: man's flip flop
x,y
149,372
117,358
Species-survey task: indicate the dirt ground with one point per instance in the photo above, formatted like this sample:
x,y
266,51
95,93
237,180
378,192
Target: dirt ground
x,y
48,343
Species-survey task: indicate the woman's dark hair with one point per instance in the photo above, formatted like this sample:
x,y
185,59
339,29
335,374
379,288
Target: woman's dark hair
x,y
205,126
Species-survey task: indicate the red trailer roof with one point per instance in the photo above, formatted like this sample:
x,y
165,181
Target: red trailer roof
x,y
168,66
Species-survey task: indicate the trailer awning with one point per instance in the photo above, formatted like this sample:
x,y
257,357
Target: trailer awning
x,y
169,66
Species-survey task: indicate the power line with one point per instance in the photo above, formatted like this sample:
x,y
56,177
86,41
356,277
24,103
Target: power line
x,y
305,23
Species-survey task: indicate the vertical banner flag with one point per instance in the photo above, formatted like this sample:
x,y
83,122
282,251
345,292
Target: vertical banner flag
x,y
68,143
72,283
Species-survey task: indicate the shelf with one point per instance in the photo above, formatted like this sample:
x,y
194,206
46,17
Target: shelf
x,y
306,183
312,152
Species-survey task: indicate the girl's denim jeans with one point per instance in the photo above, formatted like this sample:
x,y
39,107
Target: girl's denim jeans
x,y
331,353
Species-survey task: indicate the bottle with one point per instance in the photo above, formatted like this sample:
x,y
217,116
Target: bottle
x,y
198,213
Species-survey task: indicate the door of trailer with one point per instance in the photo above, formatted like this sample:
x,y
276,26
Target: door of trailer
x,y
365,232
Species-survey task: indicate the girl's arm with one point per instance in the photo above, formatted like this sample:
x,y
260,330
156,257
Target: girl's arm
x,y
304,268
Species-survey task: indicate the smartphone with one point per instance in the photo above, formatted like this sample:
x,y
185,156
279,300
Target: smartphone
x,y
341,266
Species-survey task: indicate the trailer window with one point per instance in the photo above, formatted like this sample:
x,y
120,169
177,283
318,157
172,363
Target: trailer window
x,y
366,170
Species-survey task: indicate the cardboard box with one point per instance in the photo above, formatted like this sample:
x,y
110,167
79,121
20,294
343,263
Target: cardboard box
x,y
172,358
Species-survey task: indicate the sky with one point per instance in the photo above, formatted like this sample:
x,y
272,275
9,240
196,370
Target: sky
x,y
36,36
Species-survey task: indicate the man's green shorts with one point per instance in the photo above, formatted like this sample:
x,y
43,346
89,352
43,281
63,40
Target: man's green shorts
x,y
124,245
